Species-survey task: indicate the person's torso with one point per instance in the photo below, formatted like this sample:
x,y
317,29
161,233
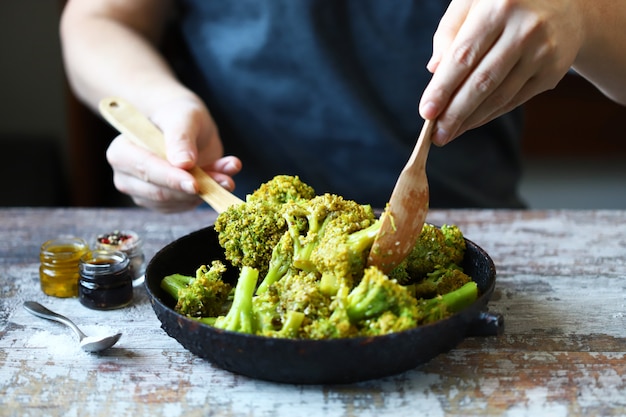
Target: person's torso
x,y
328,90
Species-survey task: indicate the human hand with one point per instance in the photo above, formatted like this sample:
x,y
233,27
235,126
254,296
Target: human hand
x,y
191,138
491,56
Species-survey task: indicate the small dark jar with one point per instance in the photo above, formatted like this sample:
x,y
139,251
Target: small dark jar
x,y
106,281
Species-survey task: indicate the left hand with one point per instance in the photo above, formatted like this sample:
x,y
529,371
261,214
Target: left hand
x,y
490,56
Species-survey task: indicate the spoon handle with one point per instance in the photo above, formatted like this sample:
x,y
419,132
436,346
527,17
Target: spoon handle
x,y
41,311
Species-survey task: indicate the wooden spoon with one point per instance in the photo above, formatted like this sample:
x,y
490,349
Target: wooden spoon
x,y
140,130
404,216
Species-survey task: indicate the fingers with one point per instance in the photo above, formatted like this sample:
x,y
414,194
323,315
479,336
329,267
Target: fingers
x,y
446,31
463,78
153,197
228,165
191,139
150,180
154,183
223,170
502,54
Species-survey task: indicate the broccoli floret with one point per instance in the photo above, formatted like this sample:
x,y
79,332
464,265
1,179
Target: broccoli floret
x,y
297,292
240,315
320,228
306,222
199,296
270,322
341,258
442,306
441,281
336,325
248,232
311,255
300,291
388,322
281,189
323,217
376,294
435,247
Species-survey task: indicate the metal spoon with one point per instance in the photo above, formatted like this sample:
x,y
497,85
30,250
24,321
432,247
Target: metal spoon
x,y
140,130
404,216
87,343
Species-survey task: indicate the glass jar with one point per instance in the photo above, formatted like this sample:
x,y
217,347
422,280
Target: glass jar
x,y
105,280
128,242
58,270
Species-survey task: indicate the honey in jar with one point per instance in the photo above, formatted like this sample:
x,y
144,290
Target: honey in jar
x,y
58,270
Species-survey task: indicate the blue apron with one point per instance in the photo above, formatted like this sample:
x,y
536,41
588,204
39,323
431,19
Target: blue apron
x,y
328,90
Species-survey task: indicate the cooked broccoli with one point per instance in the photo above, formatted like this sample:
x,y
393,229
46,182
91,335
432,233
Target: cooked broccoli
x,y
308,223
376,294
303,270
297,292
249,231
291,325
199,296
336,324
240,315
341,258
280,262
281,189
435,247
442,306
441,281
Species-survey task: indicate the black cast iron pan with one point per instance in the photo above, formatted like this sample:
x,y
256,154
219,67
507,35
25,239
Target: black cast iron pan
x,y
313,361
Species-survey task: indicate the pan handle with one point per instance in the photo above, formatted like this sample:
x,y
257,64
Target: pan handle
x,y
486,324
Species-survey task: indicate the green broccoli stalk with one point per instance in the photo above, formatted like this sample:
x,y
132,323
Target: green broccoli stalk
x,y
441,281
280,262
175,283
201,296
305,225
360,242
291,325
444,305
240,315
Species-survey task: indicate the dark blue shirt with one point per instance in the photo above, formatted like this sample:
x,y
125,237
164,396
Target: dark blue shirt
x,y
328,90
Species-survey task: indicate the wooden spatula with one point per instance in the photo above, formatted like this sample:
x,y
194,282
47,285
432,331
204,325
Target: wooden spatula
x,y
138,128
404,216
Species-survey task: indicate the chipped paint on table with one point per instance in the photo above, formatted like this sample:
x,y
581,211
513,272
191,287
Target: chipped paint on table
x,y
561,286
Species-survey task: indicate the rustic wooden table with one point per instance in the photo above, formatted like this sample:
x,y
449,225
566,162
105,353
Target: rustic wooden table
x,y
561,287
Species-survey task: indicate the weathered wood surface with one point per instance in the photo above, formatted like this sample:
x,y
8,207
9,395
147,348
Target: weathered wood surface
x,y
561,286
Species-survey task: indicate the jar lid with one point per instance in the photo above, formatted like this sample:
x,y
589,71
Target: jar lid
x,y
65,247
122,240
103,264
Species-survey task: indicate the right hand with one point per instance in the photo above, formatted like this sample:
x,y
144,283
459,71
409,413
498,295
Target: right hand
x,y
191,138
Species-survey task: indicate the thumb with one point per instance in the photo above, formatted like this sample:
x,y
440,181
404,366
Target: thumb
x,y
180,133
